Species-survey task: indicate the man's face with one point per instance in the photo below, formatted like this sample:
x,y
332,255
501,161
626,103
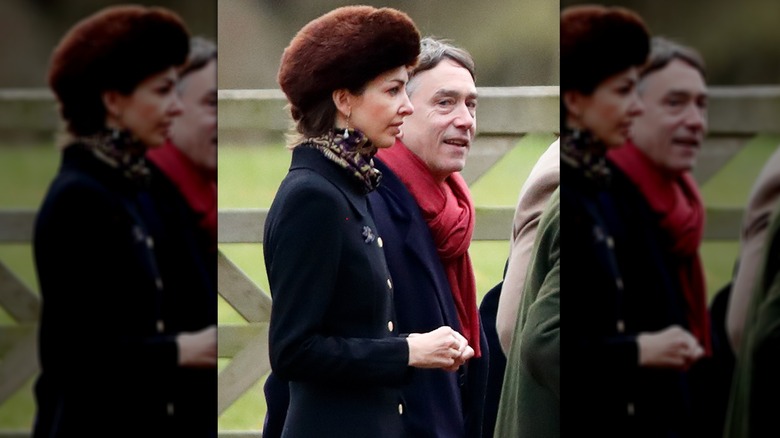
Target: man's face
x,y
671,129
195,131
441,129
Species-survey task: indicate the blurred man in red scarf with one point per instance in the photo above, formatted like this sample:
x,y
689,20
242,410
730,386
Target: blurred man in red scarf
x,y
189,157
653,172
425,216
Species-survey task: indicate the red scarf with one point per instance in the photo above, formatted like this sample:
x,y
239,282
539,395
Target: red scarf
x,y
679,204
449,212
198,188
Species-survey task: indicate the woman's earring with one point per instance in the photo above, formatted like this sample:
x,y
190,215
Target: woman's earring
x,y
346,130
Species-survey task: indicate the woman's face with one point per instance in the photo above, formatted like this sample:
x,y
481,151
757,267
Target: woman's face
x,y
149,110
607,112
380,110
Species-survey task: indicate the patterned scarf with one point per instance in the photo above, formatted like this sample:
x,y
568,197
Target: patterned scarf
x,y
584,152
448,210
120,150
681,211
353,152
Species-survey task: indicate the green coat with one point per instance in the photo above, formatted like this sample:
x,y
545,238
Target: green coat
x,y
754,396
530,397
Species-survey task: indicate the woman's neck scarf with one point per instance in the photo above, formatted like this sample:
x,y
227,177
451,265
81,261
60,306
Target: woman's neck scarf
x,y
584,152
677,201
353,152
121,151
448,210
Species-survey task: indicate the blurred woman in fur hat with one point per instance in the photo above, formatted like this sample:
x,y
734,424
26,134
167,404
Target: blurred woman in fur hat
x,y
624,323
332,332
118,281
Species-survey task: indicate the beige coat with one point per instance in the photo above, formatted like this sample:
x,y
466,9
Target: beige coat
x,y
540,184
764,197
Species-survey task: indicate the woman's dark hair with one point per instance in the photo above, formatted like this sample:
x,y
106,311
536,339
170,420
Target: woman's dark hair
x,y
114,49
598,42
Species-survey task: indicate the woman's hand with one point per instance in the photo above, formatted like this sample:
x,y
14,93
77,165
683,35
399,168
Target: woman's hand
x,y
672,347
198,349
441,348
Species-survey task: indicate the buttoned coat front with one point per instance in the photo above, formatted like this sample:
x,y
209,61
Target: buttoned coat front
x,y
333,333
439,403
117,284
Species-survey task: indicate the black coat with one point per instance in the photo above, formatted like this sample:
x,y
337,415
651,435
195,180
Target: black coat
x,y
333,331
439,403
619,284
118,282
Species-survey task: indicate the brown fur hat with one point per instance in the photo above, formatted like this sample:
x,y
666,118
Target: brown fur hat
x,y
345,48
598,42
114,49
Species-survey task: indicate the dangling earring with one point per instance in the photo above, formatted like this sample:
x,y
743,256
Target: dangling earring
x,y
346,130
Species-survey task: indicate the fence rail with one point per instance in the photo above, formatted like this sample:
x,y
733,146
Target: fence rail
x,y
251,117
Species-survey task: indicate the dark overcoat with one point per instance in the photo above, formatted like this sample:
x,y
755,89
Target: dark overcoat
x,y
333,332
439,403
619,285
114,294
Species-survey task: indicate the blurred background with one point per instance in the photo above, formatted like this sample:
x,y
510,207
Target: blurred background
x,y
29,30
514,42
739,40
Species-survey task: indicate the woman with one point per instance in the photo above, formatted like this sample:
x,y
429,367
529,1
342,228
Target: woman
x,y
332,332
623,340
117,282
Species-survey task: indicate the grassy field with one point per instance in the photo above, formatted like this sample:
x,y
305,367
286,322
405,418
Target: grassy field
x,y
248,177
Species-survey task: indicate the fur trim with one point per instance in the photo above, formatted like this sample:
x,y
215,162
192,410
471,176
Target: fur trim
x,y
345,48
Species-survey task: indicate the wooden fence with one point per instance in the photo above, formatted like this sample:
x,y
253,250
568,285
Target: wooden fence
x,y
736,115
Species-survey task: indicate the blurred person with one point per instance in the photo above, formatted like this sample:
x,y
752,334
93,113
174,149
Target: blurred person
x,y
663,217
425,217
334,333
110,273
535,347
629,343
189,158
501,304
763,200
535,193
752,410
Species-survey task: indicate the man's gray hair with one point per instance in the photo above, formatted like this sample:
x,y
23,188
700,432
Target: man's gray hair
x,y
432,52
663,51
202,52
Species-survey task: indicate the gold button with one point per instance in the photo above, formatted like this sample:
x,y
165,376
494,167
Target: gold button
x,y
379,242
149,242
400,409
389,284
621,326
160,325
610,242
630,409
158,283
619,283
390,325
169,408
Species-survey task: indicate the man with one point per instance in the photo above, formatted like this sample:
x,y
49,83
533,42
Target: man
x,y
658,248
425,216
189,159
184,174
